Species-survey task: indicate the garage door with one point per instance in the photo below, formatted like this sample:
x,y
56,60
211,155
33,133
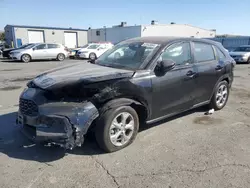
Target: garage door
x,y
35,36
70,40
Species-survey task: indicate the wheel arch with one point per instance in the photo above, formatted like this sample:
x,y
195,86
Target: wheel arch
x,y
140,107
26,54
223,78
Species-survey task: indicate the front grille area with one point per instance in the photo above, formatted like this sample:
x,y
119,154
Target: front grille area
x,y
28,107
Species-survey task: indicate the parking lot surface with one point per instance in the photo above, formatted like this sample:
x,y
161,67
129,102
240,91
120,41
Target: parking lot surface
x,y
189,150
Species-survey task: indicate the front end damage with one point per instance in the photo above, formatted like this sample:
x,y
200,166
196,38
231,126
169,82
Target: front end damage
x,y
59,106
59,123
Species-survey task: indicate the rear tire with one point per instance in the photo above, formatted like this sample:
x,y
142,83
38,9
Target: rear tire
x,y
220,96
92,56
248,61
60,57
117,128
26,58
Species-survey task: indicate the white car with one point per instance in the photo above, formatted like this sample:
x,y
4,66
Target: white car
x,y
241,54
94,50
40,51
73,52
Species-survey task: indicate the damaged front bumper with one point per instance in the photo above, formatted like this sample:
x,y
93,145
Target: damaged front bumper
x,y
60,123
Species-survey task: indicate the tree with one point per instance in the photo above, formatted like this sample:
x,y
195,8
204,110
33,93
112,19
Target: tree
x,y
2,36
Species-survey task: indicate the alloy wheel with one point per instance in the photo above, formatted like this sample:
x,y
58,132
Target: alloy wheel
x,y
121,129
221,95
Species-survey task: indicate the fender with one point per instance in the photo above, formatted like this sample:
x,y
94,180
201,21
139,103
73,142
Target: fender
x,y
114,103
223,77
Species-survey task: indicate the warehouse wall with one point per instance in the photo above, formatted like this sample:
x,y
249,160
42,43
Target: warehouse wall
x,y
49,37
114,34
22,33
58,36
93,37
176,30
82,37
231,43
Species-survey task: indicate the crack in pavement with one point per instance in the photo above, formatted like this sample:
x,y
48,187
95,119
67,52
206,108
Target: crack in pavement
x,y
185,170
107,171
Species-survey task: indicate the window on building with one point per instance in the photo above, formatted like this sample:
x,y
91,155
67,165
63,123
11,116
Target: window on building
x,y
180,53
98,33
41,46
203,52
53,45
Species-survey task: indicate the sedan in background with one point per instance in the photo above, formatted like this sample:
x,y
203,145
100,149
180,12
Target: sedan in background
x,y
6,52
40,51
73,52
94,50
241,54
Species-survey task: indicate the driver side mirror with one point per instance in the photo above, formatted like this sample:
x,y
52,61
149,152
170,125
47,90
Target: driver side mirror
x,y
165,66
33,49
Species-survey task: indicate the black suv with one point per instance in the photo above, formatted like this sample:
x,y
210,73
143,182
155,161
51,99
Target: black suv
x,y
139,80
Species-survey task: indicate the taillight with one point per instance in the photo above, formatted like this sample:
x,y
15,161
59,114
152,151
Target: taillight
x,y
66,49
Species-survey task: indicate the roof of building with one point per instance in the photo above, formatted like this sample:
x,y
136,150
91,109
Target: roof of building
x,y
147,25
41,27
162,40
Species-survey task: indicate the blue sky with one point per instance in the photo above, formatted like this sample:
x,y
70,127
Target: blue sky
x,y
226,16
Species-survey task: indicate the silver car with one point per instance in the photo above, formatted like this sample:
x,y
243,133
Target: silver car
x,y
40,51
241,54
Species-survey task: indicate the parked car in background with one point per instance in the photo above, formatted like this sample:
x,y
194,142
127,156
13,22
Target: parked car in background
x,y
94,50
40,51
159,77
6,52
241,54
73,52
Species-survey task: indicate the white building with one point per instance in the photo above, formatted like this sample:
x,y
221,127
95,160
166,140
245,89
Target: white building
x,y
17,35
121,32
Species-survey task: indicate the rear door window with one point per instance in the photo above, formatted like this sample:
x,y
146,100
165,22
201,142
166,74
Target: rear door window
x,y
41,47
203,52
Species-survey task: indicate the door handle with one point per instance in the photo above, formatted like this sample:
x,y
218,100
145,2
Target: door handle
x,y
218,67
191,74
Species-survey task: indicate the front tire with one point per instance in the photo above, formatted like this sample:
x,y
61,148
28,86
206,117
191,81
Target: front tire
x,y
92,56
60,57
220,96
25,58
117,128
248,61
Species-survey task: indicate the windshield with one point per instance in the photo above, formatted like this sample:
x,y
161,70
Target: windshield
x,y
93,46
30,46
85,46
128,55
242,49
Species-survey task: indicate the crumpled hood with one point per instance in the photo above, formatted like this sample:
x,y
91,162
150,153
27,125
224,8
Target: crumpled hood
x,y
20,50
239,53
79,72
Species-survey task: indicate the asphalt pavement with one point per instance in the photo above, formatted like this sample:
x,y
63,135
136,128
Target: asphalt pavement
x,y
188,150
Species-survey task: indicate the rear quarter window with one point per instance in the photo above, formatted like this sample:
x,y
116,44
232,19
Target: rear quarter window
x,y
220,54
203,52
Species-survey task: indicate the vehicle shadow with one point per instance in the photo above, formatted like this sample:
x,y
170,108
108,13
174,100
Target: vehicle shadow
x,y
15,61
15,145
34,61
